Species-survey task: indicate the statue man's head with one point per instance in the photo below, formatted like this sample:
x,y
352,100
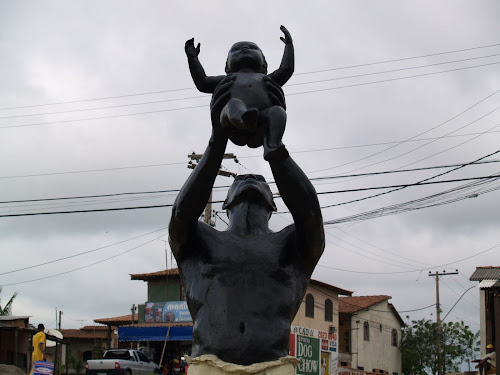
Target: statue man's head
x,y
246,55
250,188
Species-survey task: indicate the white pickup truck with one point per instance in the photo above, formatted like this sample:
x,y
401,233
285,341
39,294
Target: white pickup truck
x,y
122,362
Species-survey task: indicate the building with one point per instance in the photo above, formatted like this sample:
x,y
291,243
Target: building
x,y
88,342
369,334
323,322
15,336
489,302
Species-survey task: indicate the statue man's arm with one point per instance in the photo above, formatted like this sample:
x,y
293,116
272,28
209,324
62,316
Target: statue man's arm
x,y
287,66
194,195
300,197
201,80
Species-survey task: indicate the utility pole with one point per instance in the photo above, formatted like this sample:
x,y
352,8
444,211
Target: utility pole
x,y
60,313
196,158
166,269
438,315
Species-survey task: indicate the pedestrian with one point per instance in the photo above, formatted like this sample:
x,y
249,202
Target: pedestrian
x,y
39,342
488,361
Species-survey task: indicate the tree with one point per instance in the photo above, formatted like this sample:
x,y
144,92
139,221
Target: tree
x,y
419,347
7,309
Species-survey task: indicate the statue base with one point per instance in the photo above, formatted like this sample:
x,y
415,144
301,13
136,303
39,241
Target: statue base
x,y
209,364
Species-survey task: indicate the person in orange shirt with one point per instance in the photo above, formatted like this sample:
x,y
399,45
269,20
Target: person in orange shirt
x,y
39,342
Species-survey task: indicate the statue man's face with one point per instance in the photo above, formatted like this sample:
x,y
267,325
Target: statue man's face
x,y
250,187
245,55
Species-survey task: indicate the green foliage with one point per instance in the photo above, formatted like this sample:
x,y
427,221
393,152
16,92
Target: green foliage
x,y
7,309
419,347
76,364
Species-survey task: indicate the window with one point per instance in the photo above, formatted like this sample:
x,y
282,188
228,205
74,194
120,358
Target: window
x,y
328,310
309,306
366,331
394,337
142,357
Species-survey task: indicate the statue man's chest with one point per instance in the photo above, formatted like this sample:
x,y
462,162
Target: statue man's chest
x,y
255,256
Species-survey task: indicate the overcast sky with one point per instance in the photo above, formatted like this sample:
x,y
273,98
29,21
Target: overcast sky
x,y
97,100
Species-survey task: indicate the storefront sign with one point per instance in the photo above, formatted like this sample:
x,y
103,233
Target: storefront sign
x,y
167,312
322,345
307,350
344,371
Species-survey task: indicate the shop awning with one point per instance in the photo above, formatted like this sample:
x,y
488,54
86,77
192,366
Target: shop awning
x,y
128,333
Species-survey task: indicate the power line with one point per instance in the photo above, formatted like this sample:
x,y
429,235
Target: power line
x,y
202,106
418,135
291,152
320,193
421,182
400,59
296,74
387,71
420,270
86,266
79,254
225,186
205,96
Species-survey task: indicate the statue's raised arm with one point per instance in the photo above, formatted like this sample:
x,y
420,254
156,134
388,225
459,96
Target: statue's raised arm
x,y
195,193
287,66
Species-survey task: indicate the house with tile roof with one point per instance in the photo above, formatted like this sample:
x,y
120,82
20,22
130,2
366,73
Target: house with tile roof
x,y
369,335
88,342
489,304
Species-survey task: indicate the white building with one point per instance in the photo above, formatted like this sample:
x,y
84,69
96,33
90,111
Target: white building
x,y
489,302
369,335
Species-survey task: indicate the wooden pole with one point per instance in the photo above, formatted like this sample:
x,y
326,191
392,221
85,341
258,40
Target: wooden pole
x,y
164,346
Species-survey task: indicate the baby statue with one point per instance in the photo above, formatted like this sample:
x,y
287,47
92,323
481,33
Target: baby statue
x,y
253,115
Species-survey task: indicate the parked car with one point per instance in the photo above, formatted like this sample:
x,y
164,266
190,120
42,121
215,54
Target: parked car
x,y
121,362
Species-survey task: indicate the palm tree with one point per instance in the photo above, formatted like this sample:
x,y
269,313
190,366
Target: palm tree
x,y
7,309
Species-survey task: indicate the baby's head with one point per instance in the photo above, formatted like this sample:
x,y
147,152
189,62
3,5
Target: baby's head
x,y
246,55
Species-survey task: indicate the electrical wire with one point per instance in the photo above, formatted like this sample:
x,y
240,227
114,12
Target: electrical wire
x,y
78,254
86,266
202,106
205,96
296,74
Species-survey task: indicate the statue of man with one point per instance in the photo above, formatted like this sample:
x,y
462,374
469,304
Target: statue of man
x,y
244,285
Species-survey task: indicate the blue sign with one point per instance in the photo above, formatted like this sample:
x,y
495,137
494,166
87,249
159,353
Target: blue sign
x,y
167,312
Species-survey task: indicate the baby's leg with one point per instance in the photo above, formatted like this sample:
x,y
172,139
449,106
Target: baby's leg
x,y
275,122
236,114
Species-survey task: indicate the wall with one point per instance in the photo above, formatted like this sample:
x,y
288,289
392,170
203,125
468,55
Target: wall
x,y
157,291
318,322
7,347
378,353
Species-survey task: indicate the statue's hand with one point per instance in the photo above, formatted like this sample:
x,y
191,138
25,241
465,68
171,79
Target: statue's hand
x,y
275,92
191,50
288,38
220,98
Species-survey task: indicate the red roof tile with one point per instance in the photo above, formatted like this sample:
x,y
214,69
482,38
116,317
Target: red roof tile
x,y
117,320
174,272
80,334
351,305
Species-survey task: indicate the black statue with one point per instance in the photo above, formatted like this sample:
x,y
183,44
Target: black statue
x,y
250,112
245,285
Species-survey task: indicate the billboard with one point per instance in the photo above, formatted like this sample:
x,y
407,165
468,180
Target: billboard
x,y
167,312
316,350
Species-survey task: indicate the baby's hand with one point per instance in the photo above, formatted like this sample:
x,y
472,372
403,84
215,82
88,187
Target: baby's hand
x,y
191,51
288,38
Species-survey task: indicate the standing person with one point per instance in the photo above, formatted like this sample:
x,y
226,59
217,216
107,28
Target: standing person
x,y
39,342
488,361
